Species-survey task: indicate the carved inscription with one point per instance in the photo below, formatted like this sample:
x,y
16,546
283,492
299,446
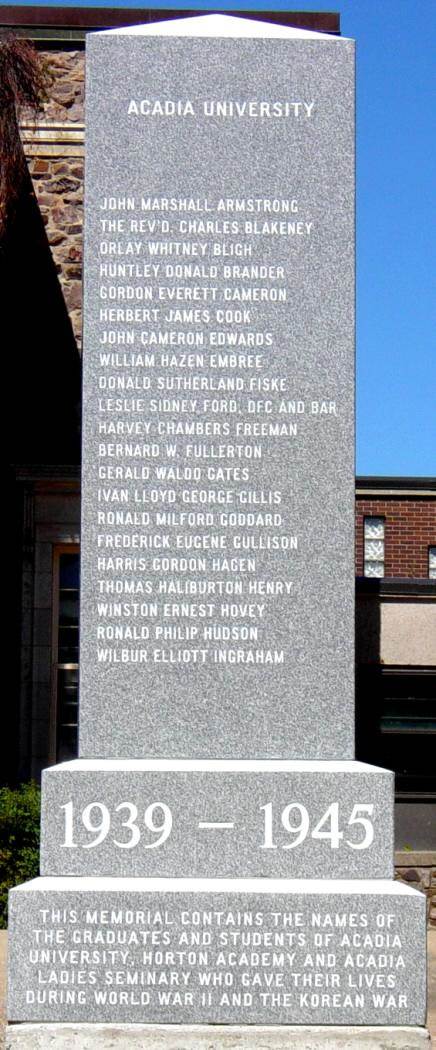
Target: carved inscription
x,y
152,827
225,959
190,400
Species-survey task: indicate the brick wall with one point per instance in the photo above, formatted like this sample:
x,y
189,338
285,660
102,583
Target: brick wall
x,y
410,529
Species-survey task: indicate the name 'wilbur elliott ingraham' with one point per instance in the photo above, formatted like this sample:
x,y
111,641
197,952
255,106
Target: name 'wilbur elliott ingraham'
x,y
147,107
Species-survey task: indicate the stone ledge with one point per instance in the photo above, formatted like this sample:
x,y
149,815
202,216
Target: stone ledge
x,y
212,1037
415,858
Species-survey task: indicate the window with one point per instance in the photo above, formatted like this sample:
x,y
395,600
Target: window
x,y
432,563
396,725
374,547
66,651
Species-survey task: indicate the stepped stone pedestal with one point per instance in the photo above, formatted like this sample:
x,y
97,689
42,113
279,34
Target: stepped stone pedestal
x,y
216,866
216,1037
217,819
218,951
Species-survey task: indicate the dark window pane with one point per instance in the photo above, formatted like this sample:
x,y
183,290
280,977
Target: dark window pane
x,y
68,653
69,571
67,713
408,715
69,608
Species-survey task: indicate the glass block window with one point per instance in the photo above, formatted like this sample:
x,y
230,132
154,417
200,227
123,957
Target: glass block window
x,y
432,563
374,547
66,651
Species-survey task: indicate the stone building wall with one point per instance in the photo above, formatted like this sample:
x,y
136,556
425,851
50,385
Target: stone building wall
x,y
54,150
419,871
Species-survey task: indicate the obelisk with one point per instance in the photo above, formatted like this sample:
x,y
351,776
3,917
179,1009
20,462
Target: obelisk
x,y
216,862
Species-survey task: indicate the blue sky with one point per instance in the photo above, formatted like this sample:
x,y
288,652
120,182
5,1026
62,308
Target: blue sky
x,y
396,226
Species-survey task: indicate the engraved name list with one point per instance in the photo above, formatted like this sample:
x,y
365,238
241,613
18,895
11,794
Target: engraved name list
x,y
191,396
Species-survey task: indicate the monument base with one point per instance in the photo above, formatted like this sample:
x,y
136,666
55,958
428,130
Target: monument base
x,y
212,1037
217,952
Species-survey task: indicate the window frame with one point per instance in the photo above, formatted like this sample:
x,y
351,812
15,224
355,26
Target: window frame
x,y
58,550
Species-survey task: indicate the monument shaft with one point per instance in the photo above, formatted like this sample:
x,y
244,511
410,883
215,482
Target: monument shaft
x,y
217,566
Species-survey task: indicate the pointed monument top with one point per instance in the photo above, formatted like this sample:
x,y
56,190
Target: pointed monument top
x,y
219,25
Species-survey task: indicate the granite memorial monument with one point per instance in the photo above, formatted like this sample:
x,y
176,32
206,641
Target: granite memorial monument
x,y
216,856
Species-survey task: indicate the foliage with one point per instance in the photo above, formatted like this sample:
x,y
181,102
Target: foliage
x,y
24,82
19,839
